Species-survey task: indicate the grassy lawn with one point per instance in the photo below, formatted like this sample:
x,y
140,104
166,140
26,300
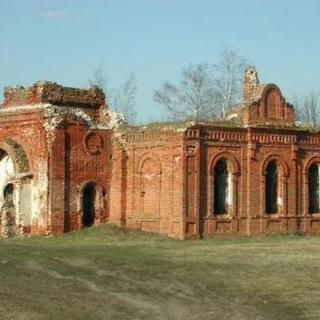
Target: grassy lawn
x,y
106,273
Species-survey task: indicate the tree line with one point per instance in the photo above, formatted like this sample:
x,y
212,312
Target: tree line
x,y
204,91
307,108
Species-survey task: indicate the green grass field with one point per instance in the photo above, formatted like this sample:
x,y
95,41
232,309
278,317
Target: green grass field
x,y
108,273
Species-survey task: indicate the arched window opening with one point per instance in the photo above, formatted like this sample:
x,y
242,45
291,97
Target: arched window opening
x,y
7,171
8,217
8,195
15,202
222,186
272,188
88,204
313,177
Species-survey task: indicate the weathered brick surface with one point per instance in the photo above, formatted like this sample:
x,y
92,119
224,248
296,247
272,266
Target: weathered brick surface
x,y
158,178
57,141
147,181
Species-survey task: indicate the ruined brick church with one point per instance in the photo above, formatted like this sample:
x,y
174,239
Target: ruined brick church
x,y
66,162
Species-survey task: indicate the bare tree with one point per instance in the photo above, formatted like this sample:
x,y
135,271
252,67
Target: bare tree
x,y
124,100
308,108
100,80
204,91
121,99
191,97
228,77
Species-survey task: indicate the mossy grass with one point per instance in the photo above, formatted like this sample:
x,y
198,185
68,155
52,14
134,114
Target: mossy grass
x,y
107,272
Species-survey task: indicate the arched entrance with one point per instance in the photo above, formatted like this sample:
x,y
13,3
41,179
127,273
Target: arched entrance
x,y
15,189
88,204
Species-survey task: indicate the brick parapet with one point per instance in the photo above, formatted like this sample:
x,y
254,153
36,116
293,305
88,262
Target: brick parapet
x,y
50,92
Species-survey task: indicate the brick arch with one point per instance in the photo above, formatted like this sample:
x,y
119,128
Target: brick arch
x,y
18,155
309,162
147,156
271,87
229,157
282,164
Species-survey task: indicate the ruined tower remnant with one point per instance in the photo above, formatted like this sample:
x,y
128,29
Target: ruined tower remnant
x,y
250,83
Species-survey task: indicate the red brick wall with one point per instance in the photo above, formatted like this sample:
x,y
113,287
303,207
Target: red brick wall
x,y
248,151
60,162
161,180
75,164
165,184
267,107
147,182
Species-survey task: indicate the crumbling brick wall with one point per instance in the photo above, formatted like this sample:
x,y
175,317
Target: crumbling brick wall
x,y
59,139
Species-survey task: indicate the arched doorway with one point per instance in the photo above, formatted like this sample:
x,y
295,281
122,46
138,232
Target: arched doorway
x,y
15,189
88,204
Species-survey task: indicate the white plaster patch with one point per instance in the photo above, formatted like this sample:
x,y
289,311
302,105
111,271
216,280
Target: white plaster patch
x,y
40,187
24,107
7,171
148,176
28,132
54,115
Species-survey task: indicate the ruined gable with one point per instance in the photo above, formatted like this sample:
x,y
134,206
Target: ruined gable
x,y
263,104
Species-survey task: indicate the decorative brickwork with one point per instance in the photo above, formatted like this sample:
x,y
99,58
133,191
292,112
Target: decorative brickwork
x,y
67,162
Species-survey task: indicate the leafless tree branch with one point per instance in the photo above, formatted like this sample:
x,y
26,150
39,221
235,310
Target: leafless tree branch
x,y
308,108
204,91
121,99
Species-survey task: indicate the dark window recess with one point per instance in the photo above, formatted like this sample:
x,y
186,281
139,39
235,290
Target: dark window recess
x,y
313,178
8,195
272,188
220,187
89,195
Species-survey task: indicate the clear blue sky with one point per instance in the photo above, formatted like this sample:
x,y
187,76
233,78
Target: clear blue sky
x,y
65,40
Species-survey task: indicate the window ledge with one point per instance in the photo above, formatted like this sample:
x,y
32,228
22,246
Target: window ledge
x,y
315,214
272,216
222,216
